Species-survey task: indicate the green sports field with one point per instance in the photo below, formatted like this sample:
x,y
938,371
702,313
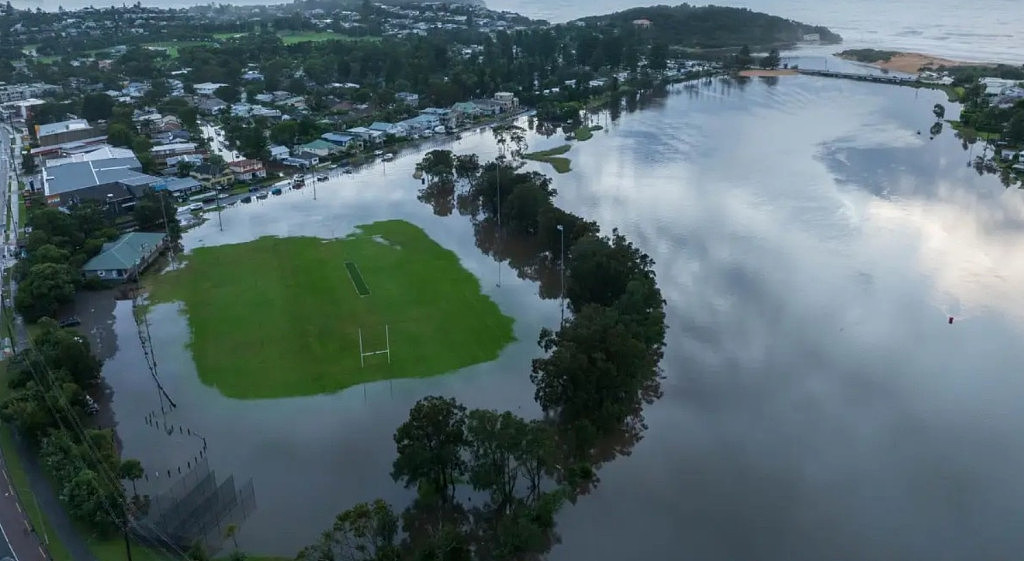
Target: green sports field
x,y
280,317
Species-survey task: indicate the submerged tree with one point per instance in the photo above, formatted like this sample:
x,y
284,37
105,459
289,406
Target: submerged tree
x,y
430,446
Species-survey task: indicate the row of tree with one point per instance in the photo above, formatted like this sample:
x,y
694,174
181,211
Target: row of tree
x,y
46,402
597,371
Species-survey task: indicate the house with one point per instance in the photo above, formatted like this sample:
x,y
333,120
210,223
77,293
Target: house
x,y
173,161
113,181
161,152
467,110
65,131
410,99
446,117
278,152
170,137
389,129
1007,155
488,106
207,88
91,153
340,139
303,160
419,124
211,105
213,176
642,23
252,76
180,187
247,170
367,135
508,101
127,256
996,86
320,147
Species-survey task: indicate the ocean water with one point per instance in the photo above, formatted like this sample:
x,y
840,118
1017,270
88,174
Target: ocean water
x,y
984,30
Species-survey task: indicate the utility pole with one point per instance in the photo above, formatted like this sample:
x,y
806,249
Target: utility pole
x,y
561,267
167,225
497,172
220,223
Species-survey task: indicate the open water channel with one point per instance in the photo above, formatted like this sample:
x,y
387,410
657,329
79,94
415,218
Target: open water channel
x,y
810,245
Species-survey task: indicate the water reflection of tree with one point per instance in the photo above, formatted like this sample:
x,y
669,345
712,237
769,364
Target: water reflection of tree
x,y
489,483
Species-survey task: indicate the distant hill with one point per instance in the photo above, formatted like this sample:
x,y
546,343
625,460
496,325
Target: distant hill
x,y
328,5
712,27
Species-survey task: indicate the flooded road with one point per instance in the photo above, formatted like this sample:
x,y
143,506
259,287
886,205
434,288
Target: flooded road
x,y
810,246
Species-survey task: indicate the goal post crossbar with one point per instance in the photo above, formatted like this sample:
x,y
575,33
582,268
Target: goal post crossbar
x,y
364,353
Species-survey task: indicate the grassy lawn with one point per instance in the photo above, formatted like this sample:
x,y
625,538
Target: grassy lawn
x,y
292,37
173,46
970,134
553,157
280,317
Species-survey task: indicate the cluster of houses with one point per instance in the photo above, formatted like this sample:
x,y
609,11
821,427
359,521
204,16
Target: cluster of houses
x,y
429,121
78,165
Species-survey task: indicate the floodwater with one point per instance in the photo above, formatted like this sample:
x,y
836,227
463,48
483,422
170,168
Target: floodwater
x,y
810,246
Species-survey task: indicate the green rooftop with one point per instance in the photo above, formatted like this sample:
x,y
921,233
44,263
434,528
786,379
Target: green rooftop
x,y
125,252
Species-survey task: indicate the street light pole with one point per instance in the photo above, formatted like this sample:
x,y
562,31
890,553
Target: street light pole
x,y
561,267
497,171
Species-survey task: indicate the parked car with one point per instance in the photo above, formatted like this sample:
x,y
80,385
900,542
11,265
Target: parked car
x,y
262,195
275,191
70,321
195,207
322,178
90,406
246,199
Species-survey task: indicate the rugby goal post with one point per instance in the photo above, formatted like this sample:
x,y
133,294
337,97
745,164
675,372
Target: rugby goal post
x,y
364,353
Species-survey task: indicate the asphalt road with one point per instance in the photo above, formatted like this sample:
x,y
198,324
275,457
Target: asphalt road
x,y
20,542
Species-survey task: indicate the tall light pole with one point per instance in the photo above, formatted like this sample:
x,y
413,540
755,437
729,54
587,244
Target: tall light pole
x,y
561,267
497,172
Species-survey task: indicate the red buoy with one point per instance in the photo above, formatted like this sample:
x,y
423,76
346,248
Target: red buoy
x,y
951,320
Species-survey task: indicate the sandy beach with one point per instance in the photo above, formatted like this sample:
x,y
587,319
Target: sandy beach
x,y
912,63
779,72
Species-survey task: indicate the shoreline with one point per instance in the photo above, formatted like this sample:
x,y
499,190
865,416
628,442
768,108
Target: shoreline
x,y
752,73
913,63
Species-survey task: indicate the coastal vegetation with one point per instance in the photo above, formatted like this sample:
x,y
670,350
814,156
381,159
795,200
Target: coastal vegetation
x,y
867,55
552,156
279,317
710,27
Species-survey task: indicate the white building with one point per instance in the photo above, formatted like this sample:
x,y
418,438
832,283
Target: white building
x,y
207,88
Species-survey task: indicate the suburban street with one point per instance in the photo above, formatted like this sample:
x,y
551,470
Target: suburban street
x,y
20,542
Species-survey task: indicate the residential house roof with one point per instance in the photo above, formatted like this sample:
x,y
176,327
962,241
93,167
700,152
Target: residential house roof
x,y
126,252
163,149
63,126
337,138
100,152
176,184
245,165
382,126
318,144
209,170
78,175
